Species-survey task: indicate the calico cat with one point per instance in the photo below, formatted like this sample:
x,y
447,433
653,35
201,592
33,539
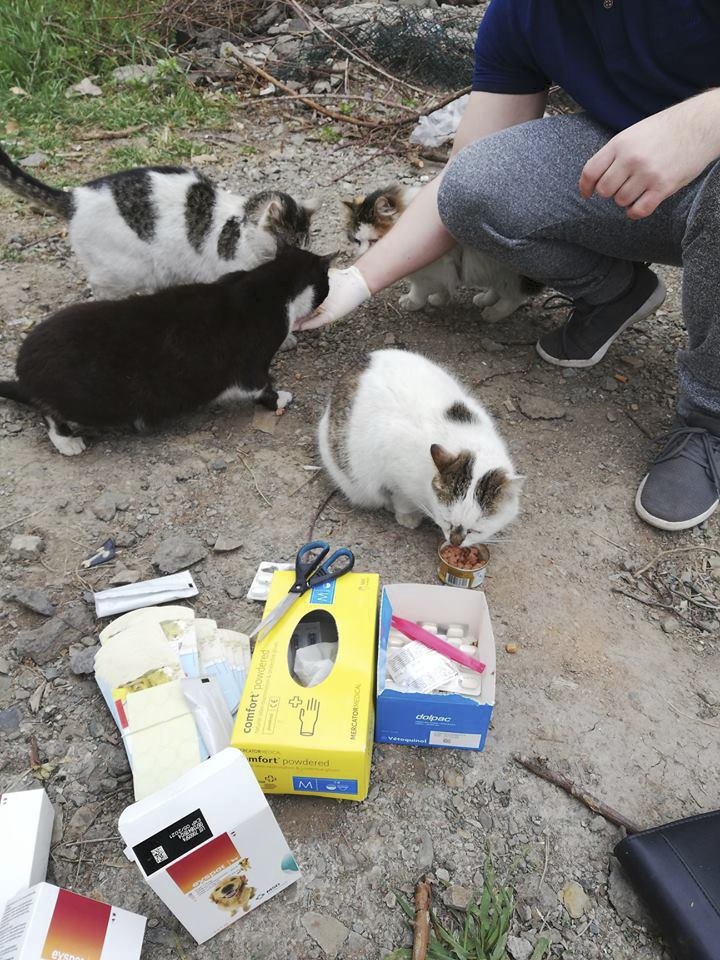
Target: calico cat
x,y
401,433
105,363
140,230
369,218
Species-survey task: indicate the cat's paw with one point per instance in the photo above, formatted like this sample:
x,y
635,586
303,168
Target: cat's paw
x,y
289,343
486,298
284,399
407,302
409,520
439,299
68,446
500,310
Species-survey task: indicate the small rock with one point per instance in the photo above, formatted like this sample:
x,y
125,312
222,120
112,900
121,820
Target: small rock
x,y
226,543
326,931
612,418
124,538
123,577
574,899
443,875
610,384
669,625
32,598
105,506
635,363
9,720
178,552
82,659
622,896
541,408
34,160
457,897
86,88
234,591
491,346
81,821
425,852
135,73
45,642
219,465
189,468
519,948
501,786
391,900
26,546
511,648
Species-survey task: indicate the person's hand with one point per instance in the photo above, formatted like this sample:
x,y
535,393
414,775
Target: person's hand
x,y
653,159
348,290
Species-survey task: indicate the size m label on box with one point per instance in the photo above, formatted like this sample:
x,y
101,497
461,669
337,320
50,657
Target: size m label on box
x,y
174,841
324,785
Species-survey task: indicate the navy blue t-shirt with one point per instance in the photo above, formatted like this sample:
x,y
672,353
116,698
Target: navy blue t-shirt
x,y
621,60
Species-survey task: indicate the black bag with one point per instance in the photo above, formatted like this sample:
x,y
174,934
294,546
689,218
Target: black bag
x,y
676,870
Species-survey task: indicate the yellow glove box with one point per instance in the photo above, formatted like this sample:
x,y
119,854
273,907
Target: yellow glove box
x,y
313,739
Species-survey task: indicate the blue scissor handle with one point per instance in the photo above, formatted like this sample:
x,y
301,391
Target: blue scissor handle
x,y
308,560
337,564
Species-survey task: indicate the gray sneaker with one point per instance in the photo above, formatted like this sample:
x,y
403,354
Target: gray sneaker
x,y
682,487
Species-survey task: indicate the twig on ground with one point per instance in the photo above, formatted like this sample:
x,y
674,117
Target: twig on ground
x,y
308,101
670,553
254,478
34,753
421,925
326,501
25,516
50,236
687,716
112,134
356,166
611,542
640,427
545,865
503,373
663,606
540,769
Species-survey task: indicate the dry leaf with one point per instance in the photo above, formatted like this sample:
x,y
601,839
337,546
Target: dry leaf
x,y
18,92
12,126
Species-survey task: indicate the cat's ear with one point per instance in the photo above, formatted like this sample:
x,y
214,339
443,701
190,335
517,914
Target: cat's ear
x,y
443,459
311,206
385,206
272,213
495,488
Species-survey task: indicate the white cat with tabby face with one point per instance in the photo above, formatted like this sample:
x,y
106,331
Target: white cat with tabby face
x,y
502,290
402,434
142,230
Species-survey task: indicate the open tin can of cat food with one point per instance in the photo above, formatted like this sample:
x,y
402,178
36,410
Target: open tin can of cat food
x,y
462,566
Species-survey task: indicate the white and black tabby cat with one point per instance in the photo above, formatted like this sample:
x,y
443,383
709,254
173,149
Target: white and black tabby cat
x,y
105,363
503,291
144,229
402,434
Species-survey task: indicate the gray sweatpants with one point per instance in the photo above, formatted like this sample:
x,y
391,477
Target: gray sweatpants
x,y
515,196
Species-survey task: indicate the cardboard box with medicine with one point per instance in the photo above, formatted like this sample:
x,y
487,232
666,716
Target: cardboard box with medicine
x,y
423,698
49,923
306,717
209,845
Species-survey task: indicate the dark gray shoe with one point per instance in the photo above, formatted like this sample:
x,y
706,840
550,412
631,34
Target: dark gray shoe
x,y
587,334
682,487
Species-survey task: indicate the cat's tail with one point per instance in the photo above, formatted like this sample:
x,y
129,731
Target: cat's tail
x,y
11,390
15,179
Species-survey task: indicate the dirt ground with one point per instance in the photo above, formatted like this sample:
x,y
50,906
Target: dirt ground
x,y
624,707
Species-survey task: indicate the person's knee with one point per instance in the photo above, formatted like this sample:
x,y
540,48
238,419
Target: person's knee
x,y
473,198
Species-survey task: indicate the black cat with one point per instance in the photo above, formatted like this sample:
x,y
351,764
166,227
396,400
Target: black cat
x,y
139,360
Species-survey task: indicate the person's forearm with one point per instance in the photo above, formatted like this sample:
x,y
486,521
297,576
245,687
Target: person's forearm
x,y
419,238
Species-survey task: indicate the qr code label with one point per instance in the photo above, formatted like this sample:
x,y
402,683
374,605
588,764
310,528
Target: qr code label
x,y
159,855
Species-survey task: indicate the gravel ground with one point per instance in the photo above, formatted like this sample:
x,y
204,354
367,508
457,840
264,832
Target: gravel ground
x,y
615,701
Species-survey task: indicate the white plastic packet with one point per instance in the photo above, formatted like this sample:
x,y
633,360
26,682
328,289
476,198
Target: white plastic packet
x,y
439,127
314,663
417,669
212,716
147,593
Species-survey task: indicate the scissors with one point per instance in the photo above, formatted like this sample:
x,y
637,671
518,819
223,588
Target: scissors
x,y
311,570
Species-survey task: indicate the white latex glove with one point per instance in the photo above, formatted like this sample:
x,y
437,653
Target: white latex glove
x,y
347,291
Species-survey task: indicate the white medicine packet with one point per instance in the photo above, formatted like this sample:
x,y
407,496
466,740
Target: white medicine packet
x,y
417,669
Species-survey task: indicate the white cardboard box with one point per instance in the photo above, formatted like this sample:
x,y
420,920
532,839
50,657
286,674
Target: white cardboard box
x,y
48,923
209,845
26,824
